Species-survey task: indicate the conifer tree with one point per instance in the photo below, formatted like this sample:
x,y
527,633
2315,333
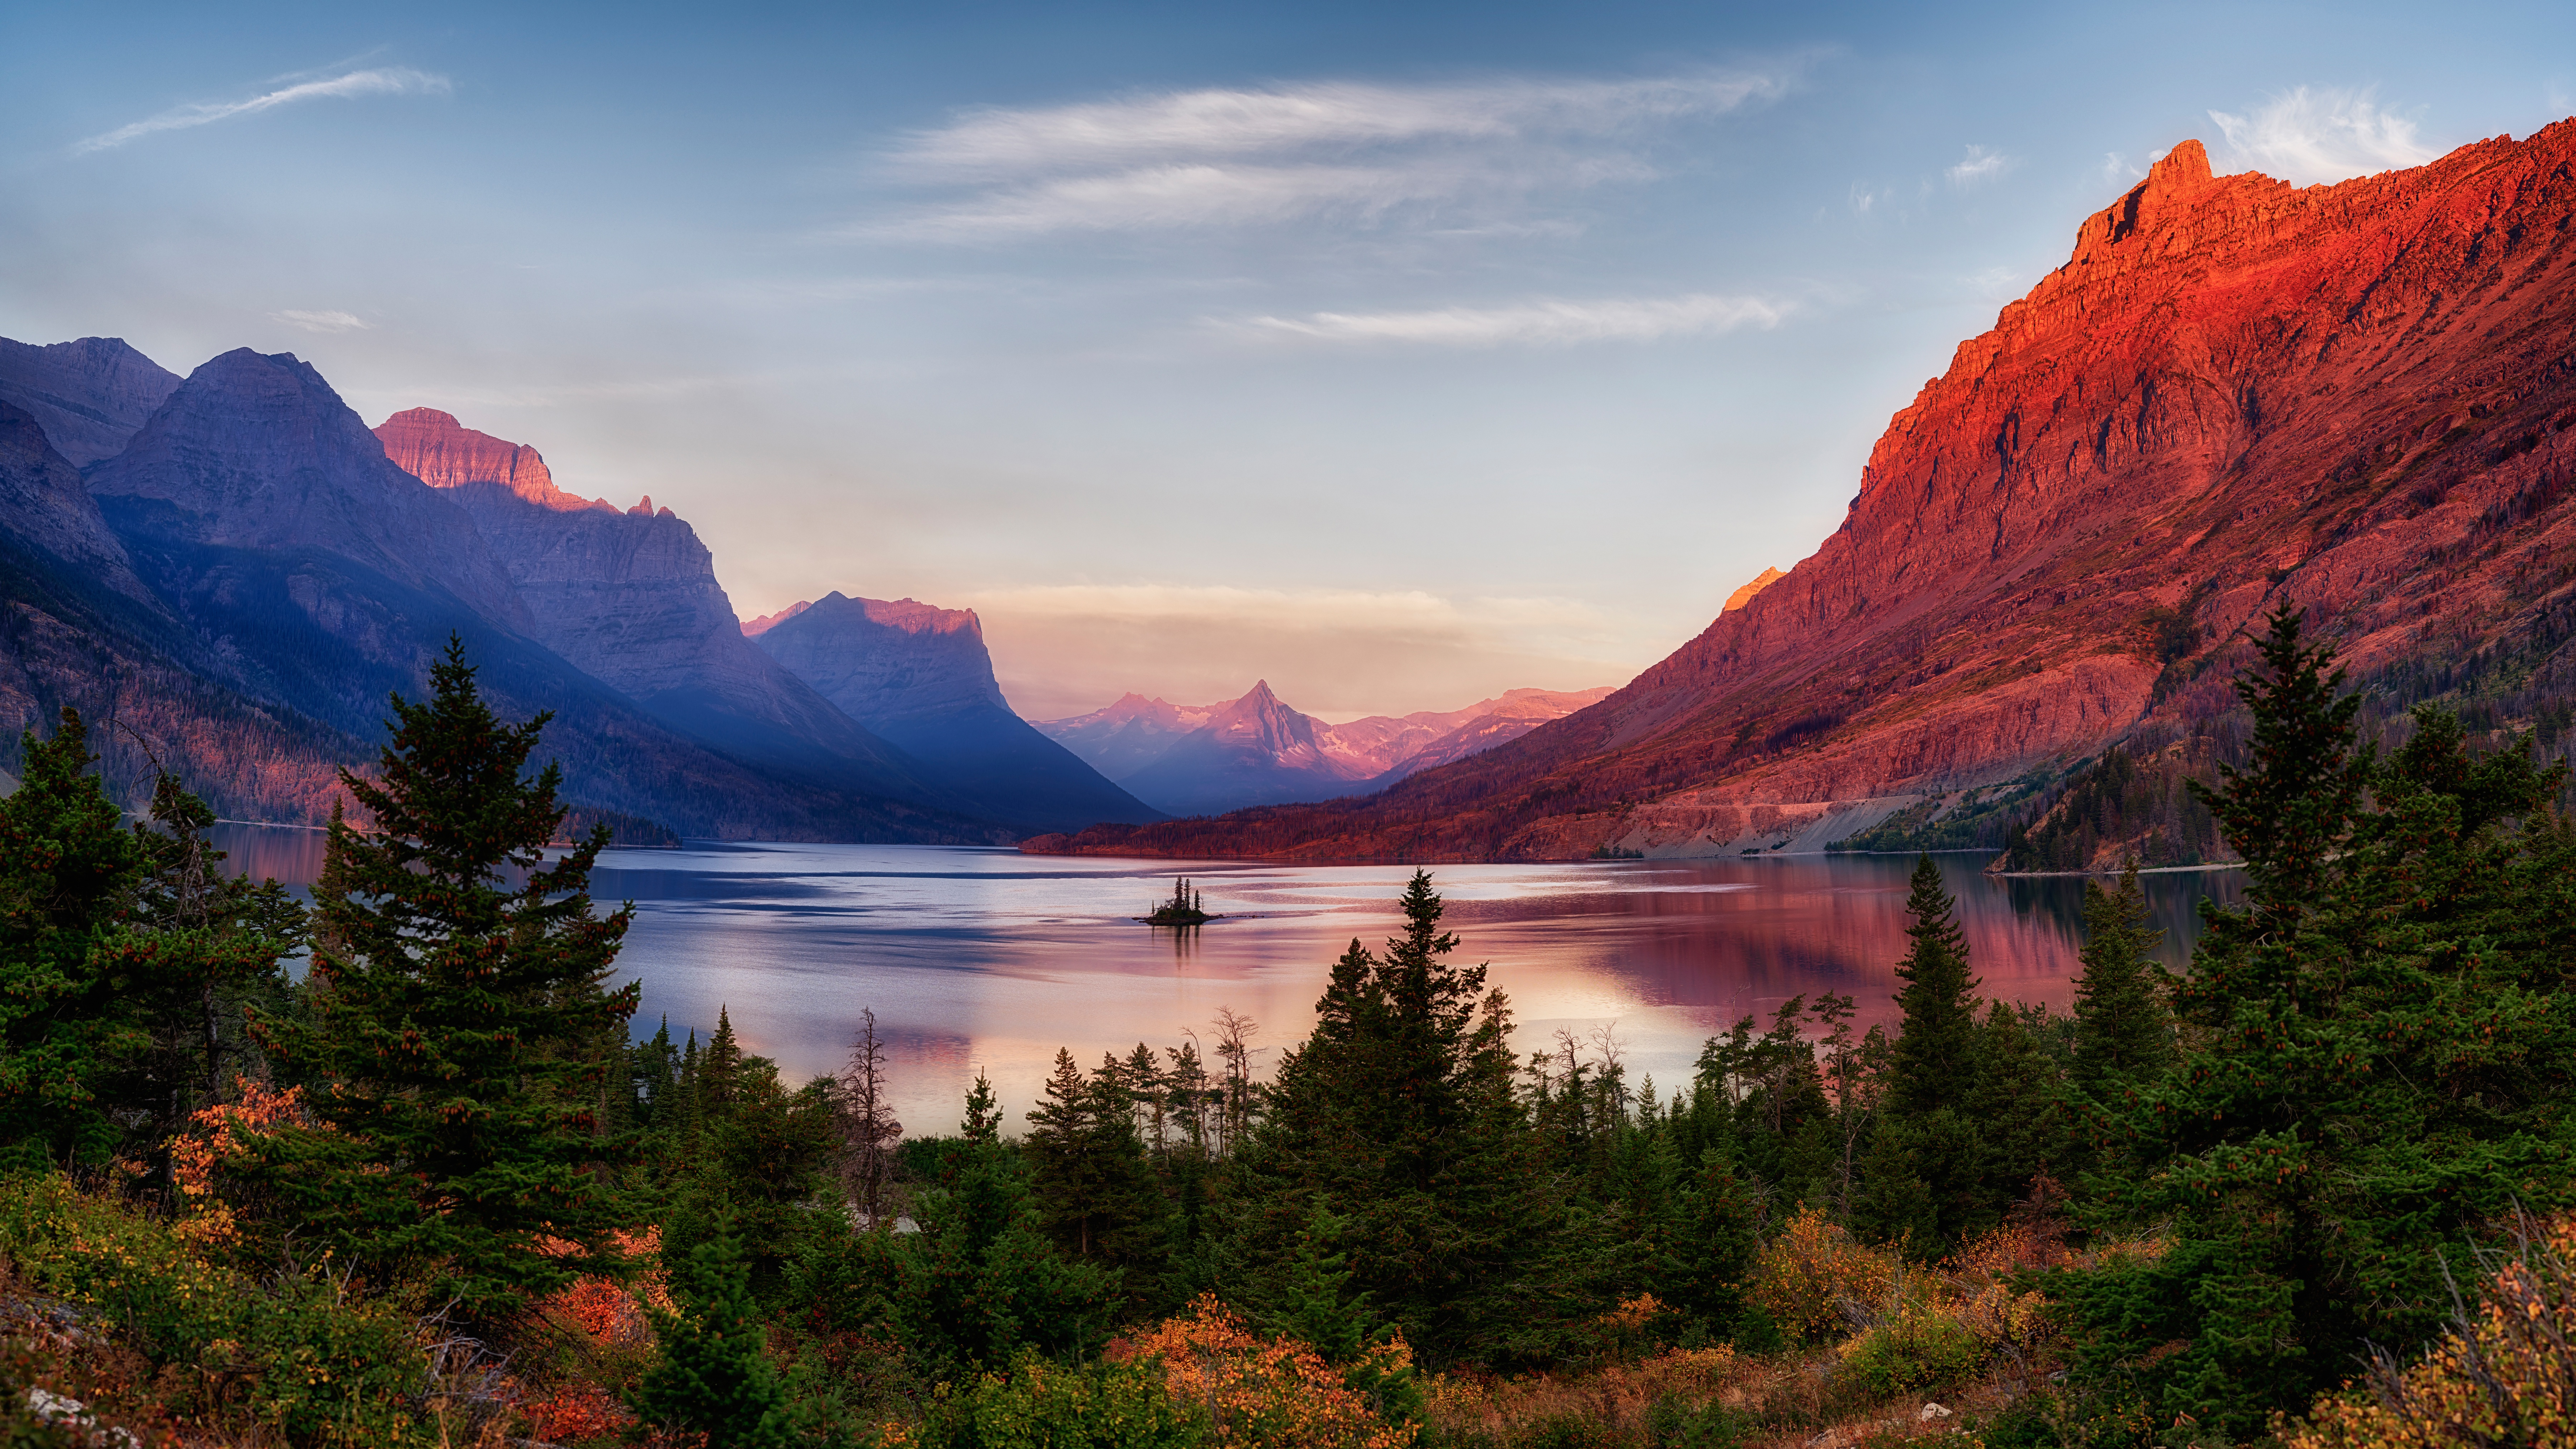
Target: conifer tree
x,y
2123,1032
2379,1056
1923,1180
456,978
713,1376
983,1122
1936,1049
67,870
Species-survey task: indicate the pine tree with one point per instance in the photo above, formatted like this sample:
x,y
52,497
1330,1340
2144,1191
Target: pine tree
x,y
1935,1062
713,1376
457,989
1398,1114
2379,1055
1923,1184
67,870
983,1122
2123,1037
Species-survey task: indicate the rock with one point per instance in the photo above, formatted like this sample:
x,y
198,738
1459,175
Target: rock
x,y
631,599
1744,594
43,503
1934,1413
443,453
921,677
256,451
90,396
2236,394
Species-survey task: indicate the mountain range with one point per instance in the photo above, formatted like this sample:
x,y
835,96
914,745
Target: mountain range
x,y
2236,396
1255,750
229,573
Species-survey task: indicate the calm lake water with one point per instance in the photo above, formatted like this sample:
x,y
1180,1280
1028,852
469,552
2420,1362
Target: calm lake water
x,y
993,959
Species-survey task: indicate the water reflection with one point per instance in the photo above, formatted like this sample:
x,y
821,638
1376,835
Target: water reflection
x,y
992,959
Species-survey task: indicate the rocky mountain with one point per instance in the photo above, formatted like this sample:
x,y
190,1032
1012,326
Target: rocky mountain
x,y
256,451
43,502
2236,395
89,395
630,598
921,677
1744,593
1204,759
290,577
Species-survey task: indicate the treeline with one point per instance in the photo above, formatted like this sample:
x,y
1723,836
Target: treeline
x,y
2189,1205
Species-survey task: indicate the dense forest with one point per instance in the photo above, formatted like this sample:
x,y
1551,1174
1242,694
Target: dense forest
x,y
434,1191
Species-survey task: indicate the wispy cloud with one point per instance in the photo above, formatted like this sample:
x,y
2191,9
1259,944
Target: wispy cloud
x,y
1251,157
323,321
1544,322
2308,135
393,81
1979,166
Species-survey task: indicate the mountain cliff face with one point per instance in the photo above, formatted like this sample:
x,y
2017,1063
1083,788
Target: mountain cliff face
x,y
921,677
291,576
89,395
631,599
43,502
2237,394
256,451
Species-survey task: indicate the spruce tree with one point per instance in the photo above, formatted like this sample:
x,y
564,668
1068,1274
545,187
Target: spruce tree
x,y
2123,1037
713,1376
2379,1056
68,868
457,988
1923,1176
1935,1064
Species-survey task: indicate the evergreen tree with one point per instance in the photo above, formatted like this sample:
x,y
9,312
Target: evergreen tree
x,y
2379,1056
70,868
2018,1105
1923,1179
713,1376
456,981
1397,1113
125,958
983,1120
2123,1037
1935,1064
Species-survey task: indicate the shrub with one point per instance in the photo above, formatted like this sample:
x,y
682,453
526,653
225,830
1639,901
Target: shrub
x,y
304,1356
1278,1392
1919,1345
1805,1276
1043,1405
2505,1373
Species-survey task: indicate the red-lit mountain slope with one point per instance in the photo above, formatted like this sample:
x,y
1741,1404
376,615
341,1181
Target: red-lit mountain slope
x,y
2353,398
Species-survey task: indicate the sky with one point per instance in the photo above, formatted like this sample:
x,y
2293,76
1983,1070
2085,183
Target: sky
x,y
1398,355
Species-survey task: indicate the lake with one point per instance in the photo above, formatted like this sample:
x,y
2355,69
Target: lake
x,y
980,958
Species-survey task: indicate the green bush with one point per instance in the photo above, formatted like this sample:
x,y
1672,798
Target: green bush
x,y
308,1360
1044,1405
1916,1347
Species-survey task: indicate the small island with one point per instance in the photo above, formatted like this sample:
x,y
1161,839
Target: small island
x,y
1185,908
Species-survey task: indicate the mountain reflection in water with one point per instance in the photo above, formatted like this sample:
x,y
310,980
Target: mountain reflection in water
x,y
993,959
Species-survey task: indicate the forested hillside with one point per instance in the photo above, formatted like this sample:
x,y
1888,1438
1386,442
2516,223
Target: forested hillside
x,y
434,1190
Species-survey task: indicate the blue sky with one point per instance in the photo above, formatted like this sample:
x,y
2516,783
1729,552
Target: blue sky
x,y
1399,357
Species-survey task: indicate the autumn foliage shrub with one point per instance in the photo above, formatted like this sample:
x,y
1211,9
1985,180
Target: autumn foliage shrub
x,y
1805,1276
1258,1391
2505,1374
299,1354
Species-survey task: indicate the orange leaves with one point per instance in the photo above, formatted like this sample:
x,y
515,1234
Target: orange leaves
x,y
608,1313
1266,1392
215,1135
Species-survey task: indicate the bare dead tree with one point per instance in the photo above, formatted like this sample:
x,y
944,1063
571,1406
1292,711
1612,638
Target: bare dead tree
x,y
1234,1047
869,1131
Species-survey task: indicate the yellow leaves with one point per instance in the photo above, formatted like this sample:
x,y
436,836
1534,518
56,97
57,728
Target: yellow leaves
x,y
1806,1274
